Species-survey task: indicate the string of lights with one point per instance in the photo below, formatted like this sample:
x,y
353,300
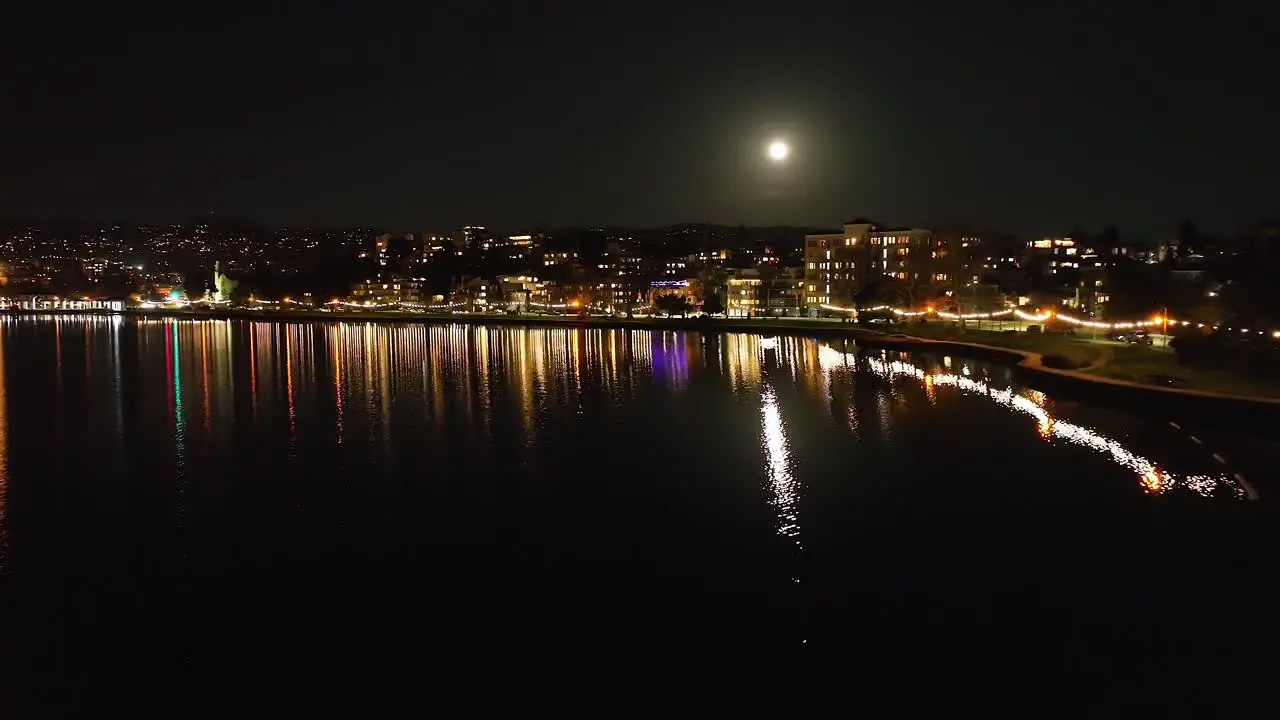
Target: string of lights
x,y
255,303
1157,321
1164,323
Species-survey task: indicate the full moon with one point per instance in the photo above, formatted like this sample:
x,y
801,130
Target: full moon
x,y
778,151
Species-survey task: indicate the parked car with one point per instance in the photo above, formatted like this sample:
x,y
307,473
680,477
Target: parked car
x,y
1136,337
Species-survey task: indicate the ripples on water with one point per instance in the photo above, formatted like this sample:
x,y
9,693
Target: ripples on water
x,y
662,476
215,375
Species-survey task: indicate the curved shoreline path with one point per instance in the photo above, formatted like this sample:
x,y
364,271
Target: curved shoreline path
x,y
1034,361
1104,357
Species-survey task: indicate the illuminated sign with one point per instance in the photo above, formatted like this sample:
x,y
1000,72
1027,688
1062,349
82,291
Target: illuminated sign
x,y
37,303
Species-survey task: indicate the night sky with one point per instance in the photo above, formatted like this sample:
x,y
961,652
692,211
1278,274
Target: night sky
x,y
438,114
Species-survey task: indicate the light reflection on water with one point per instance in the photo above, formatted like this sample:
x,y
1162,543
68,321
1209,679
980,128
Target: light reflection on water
x,y
458,383
813,363
715,493
1150,476
782,483
177,416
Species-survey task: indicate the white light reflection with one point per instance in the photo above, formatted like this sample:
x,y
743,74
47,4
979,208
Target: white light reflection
x,y
786,491
1153,479
830,358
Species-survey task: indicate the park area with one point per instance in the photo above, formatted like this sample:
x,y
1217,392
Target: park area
x,y
1068,352
1095,355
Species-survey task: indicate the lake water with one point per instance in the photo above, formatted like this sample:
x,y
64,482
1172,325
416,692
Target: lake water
x,y
197,511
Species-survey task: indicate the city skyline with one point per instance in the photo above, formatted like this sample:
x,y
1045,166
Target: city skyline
x,y
527,118
629,355
88,227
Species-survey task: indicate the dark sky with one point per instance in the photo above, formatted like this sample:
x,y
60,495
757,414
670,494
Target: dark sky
x,y
439,113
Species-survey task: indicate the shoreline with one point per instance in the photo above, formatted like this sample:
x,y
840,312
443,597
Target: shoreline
x,y
1166,402
1027,365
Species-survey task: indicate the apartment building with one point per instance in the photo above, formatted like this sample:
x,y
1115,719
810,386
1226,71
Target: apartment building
x,y
921,263
757,292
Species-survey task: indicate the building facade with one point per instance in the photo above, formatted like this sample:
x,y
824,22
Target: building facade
x,y
518,292
687,288
756,292
612,296
918,264
474,294
1058,253
838,265
388,291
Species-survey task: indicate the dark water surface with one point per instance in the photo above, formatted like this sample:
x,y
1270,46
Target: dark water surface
x,y
227,517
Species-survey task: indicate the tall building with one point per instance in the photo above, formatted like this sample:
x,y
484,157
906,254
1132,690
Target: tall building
x,y
768,292
837,265
387,291
517,291
1057,253
432,246
552,259
613,295
518,247
476,237
382,248
921,264
1093,279
474,294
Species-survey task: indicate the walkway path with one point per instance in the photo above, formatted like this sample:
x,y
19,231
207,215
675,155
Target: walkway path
x,y
1104,357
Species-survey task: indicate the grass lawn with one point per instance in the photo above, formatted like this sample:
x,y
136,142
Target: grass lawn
x,y
1139,364
1075,351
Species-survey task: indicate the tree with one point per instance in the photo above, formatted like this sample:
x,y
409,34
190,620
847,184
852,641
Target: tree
x,y
225,287
712,276
637,284
1137,289
673,304
880,291
1043,299
1189,236
712,280
712,304
1248,302
1212,312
